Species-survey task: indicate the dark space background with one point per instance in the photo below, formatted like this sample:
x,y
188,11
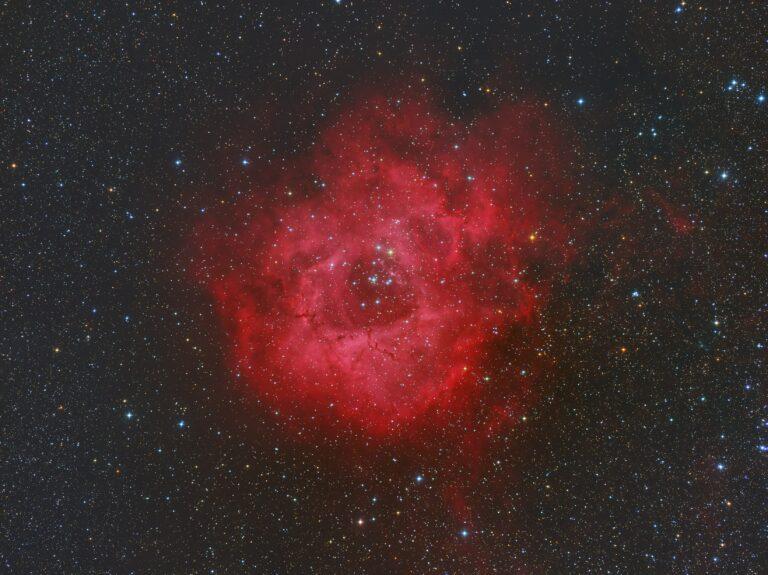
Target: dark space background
x,y
124,446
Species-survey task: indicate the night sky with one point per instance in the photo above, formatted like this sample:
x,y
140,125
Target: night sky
x,y
361,287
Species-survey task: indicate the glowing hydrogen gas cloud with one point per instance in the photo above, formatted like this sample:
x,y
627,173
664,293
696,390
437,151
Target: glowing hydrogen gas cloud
x,y
399,254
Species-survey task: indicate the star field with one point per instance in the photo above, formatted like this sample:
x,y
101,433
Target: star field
x,y
621,428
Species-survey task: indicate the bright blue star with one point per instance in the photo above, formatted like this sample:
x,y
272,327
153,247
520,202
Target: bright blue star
x,y
181,423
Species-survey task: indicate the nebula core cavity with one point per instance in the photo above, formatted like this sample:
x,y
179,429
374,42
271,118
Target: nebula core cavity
x,y
390,262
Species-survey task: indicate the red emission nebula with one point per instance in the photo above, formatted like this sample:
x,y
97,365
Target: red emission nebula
x,y
381,287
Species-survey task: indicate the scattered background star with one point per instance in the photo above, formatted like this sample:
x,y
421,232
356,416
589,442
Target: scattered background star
x,y
129,444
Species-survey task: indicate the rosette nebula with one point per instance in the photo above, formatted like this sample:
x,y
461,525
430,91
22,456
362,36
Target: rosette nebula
x,y
374,284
